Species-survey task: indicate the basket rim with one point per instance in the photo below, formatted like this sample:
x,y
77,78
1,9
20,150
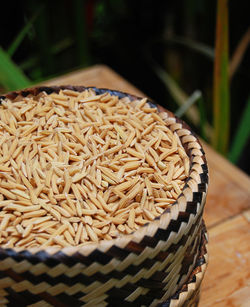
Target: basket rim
x,y
159,222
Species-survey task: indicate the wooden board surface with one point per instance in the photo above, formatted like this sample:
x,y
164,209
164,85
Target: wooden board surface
x,y
227,212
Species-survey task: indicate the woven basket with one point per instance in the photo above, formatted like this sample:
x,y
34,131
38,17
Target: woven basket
x,y
160,264
189,294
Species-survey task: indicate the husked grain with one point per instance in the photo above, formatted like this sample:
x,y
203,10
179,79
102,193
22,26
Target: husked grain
x,y
91,233
78,167
59,240
131,218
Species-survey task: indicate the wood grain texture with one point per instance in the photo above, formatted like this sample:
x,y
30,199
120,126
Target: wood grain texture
x,y
229,189
227,280
227,212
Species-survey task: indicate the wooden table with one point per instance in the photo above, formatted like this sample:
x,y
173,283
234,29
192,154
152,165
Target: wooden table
x,y
227,213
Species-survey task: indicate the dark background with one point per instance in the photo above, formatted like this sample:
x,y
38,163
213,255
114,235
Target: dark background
x,y
129,36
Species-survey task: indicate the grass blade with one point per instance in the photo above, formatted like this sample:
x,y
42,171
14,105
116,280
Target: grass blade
x,y
203,118
181,97
189,102
11,77
193,45
21,35
221,80
176,92
55,49
242,135
239,53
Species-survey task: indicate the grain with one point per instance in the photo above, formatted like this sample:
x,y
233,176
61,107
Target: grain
x,y
135,153
131,218
151,162
91,233
79,167
20,193
36,213
14,207
8,194
149,186
27,231
59,240
5,222
126,185
170,173
148,214
69,238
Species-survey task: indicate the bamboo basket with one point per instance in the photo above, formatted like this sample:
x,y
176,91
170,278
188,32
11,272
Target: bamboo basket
x,y
160,264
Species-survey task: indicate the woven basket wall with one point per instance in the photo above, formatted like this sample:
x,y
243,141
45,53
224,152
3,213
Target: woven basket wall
x,y
160,264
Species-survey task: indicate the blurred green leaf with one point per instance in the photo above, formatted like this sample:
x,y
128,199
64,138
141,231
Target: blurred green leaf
x,y
203,118
176,92
11,76
21,35
221,80
29,63
189,102
239,53
193,45
62,45
242,135
54,49
181,98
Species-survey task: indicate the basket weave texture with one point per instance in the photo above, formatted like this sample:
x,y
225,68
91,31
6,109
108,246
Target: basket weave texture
x,y
150,267
189,294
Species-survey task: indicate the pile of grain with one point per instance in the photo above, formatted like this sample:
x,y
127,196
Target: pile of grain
x,y
79,167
